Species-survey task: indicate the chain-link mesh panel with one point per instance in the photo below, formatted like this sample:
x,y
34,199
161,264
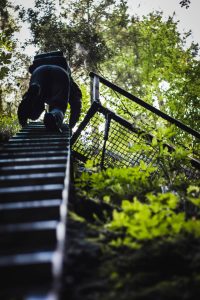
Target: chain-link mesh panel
x,y
90,141
124,147
118,152
119,147
190,171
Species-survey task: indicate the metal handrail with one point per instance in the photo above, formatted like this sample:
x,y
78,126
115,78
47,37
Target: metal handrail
x,y
95,97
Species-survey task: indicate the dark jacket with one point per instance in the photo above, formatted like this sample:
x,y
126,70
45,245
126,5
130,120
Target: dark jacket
x,y
51,83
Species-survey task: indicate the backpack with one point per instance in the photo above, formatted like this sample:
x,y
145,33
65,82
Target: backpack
x,y
50,58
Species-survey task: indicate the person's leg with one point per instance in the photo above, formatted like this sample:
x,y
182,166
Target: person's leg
x,y
23,111
31,105
36,103
58,101
53,119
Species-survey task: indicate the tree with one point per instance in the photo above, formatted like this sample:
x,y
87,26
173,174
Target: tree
x,y
7,44
75,28
185,3
147,57
151,61
13,73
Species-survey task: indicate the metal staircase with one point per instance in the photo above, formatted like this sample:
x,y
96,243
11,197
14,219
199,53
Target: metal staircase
x,y
34,180
34,190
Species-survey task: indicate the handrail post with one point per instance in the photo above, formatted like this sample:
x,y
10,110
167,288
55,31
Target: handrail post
x,y
94,89
106,132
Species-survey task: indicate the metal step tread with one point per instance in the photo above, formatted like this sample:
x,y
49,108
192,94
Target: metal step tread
x,y
29,204
32,176
40,132
26,259
30,179
29,193
24,227
37,143
7,160
26,160
39,148
32,211
40,166
30,154
28,237
26,271
40,138
31,188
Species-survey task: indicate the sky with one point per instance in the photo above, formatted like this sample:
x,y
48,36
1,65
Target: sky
x,y
188,18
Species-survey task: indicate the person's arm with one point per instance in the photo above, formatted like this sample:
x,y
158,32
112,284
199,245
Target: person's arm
x,y
75,103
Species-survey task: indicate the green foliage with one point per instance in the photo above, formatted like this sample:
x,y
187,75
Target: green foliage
x,y
139,222
151,62
8,127
111,185
85,103
193,195
169,157
148,233
85,100
148,200
13,61
146,217
5,55
7,44
77,27
147,56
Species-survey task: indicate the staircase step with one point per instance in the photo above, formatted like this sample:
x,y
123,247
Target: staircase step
x,y
30,211
28,237
38,130
35,125
34,148
31,179
11,170
40,136
15,143
36,192
32,160
37,139
6,155
29,268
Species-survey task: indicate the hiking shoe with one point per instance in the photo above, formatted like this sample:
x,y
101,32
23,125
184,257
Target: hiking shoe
x,y
53,120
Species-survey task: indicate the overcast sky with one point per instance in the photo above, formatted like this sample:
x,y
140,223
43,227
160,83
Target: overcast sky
x,y
189,18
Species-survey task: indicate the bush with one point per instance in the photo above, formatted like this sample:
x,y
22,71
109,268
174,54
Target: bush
x,y
8,127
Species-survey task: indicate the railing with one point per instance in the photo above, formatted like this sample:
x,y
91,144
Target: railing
x,y
107,138
96,79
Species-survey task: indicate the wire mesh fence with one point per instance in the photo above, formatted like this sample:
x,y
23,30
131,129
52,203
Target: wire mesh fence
x,y
124,140
124,145
90,141
119,147
145,119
